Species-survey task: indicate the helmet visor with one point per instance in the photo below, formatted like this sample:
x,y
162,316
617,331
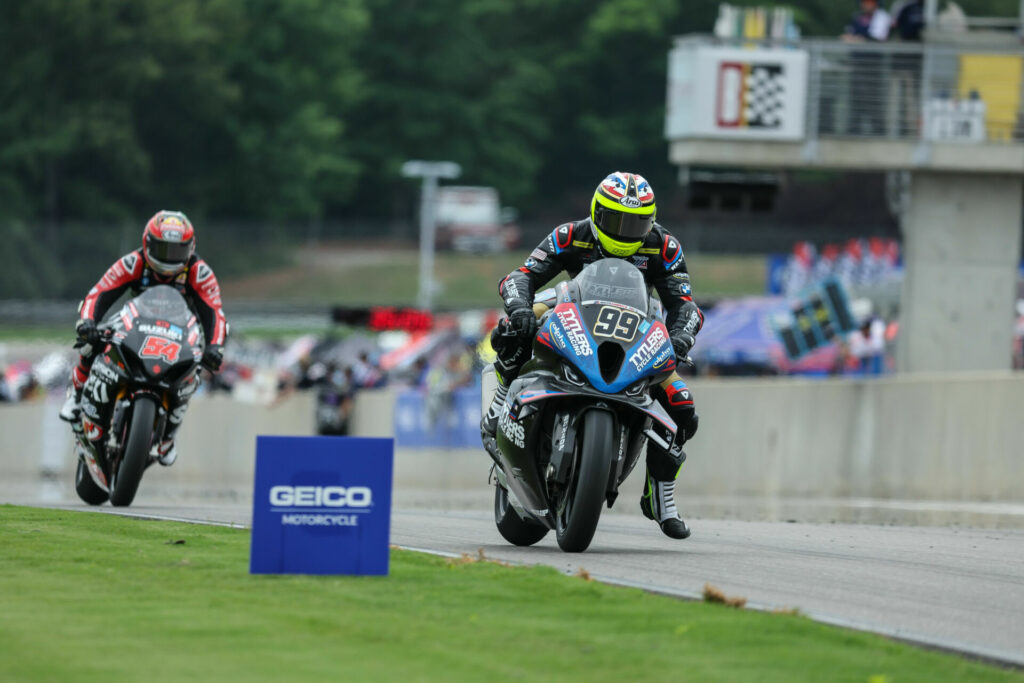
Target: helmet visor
x,y
169,252
625,227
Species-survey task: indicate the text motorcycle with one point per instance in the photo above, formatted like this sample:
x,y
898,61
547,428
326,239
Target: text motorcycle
x,y
153,347
577,418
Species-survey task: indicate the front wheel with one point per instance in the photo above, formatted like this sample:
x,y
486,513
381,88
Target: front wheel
x,y
128,474
86,488
511,526
579,507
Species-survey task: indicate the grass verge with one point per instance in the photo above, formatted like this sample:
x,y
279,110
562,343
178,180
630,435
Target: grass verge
x,y
43,333
98,597
355,275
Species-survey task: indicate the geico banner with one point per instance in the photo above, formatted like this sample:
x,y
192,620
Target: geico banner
x,y
720,92
321,505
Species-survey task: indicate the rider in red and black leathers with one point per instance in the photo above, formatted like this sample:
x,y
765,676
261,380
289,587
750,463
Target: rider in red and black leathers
x,y
167,257
659,256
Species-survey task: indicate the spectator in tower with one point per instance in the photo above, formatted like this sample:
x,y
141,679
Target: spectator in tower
x,y
871,23
908,20
908,23
867,90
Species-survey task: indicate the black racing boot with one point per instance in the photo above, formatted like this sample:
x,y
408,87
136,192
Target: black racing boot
x,y
658,503
489,422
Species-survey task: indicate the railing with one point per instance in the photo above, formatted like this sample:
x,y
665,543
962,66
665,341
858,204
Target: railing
x,y
913,92
899,91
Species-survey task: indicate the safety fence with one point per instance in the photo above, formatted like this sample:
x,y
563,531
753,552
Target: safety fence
x,y
950,437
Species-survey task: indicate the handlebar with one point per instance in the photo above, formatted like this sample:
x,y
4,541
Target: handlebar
x,y
105,334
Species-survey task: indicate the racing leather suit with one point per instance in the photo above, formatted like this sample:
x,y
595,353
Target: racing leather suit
x,y
572,246
197,284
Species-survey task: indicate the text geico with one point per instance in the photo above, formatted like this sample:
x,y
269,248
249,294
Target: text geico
x,y
321,496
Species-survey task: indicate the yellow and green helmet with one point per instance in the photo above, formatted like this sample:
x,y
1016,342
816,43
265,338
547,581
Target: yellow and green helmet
x,y
622,212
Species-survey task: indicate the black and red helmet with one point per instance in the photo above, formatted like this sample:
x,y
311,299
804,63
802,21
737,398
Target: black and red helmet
x,y
168,242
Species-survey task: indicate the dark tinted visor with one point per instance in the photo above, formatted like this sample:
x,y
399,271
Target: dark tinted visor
x,y
169,252
626,227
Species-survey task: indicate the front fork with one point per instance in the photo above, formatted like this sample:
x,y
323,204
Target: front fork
x,y
563,447
101,456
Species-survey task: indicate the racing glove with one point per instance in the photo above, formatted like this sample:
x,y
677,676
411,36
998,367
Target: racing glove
x,y
682,342
522,321
85,330
213,358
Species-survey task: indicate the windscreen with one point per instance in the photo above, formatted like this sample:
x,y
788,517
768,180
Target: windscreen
x,y
163,303
613,281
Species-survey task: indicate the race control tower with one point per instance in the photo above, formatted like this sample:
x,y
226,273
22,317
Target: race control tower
x,y
946,113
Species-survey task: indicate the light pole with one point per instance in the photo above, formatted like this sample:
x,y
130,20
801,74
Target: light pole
x,y
429,171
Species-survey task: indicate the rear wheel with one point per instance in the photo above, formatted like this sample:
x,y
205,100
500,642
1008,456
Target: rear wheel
x,y
579,507
86,488
128,474
511,526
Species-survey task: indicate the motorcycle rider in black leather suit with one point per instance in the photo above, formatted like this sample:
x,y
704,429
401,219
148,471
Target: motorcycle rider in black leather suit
x,y
621,225
167,257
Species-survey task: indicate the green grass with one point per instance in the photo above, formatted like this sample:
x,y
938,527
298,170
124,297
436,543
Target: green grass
x,y
51,333
90,597
355,275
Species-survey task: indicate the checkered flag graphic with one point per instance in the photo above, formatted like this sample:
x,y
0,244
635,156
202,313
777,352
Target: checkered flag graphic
x,y
765,88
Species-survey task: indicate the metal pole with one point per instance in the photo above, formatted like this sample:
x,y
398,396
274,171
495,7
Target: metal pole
x,y
427,230
931,10
430,172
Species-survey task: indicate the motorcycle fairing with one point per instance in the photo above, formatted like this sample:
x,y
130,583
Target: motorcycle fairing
x,y
546,386
566,334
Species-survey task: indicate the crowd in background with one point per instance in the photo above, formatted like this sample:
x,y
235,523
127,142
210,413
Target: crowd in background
x,y
859,263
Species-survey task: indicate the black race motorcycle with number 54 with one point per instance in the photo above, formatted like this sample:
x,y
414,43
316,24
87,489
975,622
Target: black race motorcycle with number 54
x,y
151,351
577,418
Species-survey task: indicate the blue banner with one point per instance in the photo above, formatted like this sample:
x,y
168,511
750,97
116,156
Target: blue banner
x,y
321,505
440,420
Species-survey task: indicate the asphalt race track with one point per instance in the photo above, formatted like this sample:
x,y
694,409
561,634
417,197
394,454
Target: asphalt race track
x,y
953,588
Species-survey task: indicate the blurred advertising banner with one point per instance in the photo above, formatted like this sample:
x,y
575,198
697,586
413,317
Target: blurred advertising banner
x,y
321,505
727,92
438,419
817,319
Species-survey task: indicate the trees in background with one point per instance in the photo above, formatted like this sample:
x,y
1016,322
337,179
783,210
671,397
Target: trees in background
x,y
272,112
111,108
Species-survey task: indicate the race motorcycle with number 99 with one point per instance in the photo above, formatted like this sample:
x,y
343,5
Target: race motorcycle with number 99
x,y
152,351
578,416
